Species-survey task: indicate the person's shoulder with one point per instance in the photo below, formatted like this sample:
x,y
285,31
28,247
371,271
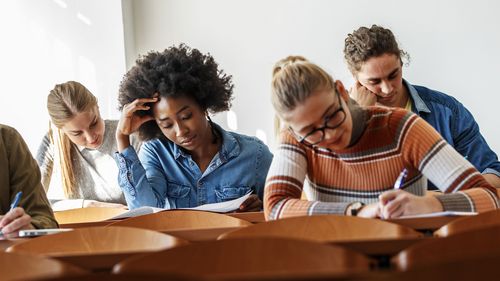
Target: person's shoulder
x,y
434,96
7,132
246,139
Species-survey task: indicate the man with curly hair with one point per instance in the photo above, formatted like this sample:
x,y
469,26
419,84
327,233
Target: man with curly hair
x,y
375,60
187,160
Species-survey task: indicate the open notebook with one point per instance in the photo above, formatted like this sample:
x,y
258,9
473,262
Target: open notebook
x,y
222,207
439,214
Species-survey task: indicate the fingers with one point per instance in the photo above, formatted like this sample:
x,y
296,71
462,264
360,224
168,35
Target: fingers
x,y
138,104
393,209
387,196
15,220
362,95
394,203
252,203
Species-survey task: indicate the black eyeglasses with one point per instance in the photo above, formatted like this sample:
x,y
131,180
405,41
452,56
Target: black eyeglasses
x,y
332,122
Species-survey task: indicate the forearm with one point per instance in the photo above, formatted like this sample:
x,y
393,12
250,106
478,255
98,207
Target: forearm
x,y
122,141
134,182
492,179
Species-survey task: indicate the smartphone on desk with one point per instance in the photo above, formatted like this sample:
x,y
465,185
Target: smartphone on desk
x,y
41,232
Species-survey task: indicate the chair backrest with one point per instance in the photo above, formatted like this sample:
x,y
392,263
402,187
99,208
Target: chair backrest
x,y
95,240
97,248
330,228
182,219
250,257
15,266
107,276
469,223
480,243
90,214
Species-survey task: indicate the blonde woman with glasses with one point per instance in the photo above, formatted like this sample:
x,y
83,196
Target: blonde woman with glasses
x,y
350,157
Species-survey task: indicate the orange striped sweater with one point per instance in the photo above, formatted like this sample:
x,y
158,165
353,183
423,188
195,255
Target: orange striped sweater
x,y
393,139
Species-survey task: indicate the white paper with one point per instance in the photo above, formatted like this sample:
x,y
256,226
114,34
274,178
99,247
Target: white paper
x,y
439,214
138,212
222,207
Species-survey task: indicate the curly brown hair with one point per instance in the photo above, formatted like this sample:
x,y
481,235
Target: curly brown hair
x,y
175,72
365,43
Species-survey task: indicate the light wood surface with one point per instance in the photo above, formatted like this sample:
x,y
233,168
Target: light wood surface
x,y
469,223
425,224
470,245
253,217
97,248
182,219
327,228
249,257
15,266
90,214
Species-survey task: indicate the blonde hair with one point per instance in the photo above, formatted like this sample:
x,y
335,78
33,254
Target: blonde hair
x,y
294,80
63,103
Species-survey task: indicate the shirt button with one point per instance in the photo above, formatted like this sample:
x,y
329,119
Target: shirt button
x,y
200,183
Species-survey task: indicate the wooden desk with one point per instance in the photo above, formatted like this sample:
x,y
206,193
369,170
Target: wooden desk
x,y
425,224
4,244
385,247
200,234
86,224
253,217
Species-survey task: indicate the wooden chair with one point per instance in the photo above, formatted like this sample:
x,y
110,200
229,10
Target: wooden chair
x,y
469,223
186,224
90,214
326,228
107,276
15,266
97,248
466,246
250,258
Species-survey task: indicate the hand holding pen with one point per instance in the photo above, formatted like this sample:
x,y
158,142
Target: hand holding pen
x,y
388,208
15,219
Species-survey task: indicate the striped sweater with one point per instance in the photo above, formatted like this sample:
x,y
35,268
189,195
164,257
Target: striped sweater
x,y
393,139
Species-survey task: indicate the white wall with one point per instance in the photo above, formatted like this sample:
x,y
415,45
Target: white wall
x,y
45,42
454,44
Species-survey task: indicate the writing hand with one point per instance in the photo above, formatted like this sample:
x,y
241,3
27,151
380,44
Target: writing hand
x,y
15,220
396,203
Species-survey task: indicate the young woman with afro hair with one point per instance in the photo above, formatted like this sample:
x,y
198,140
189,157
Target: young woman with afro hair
x,y
187,160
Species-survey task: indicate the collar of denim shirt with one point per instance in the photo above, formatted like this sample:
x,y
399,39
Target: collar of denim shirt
x,y
230,146
417,101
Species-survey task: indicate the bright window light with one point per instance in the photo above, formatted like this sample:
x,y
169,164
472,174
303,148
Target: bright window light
x,y
232,120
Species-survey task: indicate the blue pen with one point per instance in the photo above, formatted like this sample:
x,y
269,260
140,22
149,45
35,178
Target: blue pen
x,y
14,204
401,178
17,198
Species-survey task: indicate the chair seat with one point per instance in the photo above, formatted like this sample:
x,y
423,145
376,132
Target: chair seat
x,y
250,257
326,228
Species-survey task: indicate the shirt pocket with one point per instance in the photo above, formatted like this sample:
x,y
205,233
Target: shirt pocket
x,y
178,195
226,193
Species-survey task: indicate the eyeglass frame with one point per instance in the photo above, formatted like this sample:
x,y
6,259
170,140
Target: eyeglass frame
x,y
303,140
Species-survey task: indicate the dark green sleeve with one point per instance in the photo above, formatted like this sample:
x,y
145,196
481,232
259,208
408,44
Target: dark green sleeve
x,y
24,175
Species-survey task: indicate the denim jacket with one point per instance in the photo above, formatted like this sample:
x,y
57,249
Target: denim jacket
x,y
165,176
456,125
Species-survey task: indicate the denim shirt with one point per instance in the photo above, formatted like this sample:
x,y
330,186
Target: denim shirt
x,y
456,125
165,176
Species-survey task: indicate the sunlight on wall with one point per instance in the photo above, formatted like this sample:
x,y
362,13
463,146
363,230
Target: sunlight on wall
x,y
261,134
232,120
47,42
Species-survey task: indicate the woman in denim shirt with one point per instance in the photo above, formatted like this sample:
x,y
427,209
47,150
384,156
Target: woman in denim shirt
x,y
187,160
375,60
